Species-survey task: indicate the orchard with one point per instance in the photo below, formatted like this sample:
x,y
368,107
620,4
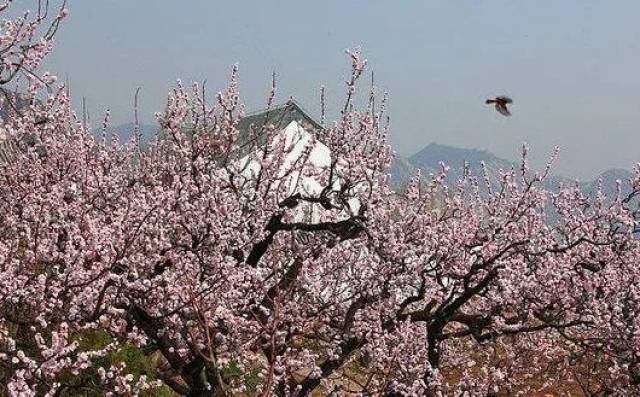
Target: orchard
x,y
219,262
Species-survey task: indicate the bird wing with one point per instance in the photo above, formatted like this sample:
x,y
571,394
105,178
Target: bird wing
x,y
502,109
504,99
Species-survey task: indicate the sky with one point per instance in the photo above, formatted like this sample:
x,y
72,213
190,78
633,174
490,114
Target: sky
x,y
572,67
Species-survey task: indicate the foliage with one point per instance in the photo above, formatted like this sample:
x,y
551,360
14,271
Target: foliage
x,y
290,267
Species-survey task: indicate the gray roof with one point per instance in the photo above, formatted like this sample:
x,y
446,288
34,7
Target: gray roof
x,y
279,117
7,150
13,101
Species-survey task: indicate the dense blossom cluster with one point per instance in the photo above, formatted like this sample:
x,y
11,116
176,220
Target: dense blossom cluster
x,y
213,254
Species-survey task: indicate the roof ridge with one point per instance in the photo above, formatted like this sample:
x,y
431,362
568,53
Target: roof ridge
x,y
291,102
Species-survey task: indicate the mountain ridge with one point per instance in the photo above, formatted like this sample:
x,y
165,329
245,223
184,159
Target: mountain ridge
x,y
429,158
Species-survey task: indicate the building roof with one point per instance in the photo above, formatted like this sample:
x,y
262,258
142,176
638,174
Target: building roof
x,y
7,149
280,117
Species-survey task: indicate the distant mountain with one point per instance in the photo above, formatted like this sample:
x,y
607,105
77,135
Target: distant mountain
x,y
608,179
428,161
401,171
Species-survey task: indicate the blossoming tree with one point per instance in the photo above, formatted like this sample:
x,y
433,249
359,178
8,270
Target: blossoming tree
x,y
193,251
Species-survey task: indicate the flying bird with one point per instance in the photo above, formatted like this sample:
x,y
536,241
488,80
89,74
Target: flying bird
x,y
501,104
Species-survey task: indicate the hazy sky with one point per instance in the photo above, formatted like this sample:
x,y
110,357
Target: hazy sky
x,y
572,67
